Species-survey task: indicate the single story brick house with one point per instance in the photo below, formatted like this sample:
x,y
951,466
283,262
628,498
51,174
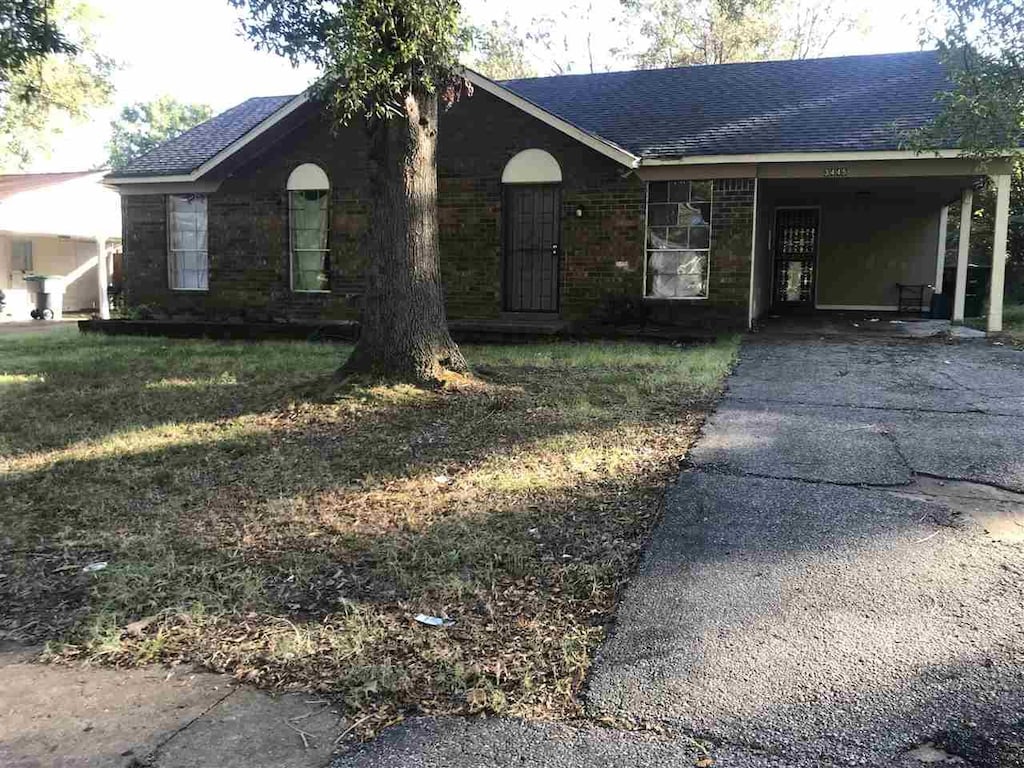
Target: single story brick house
x,y
701,196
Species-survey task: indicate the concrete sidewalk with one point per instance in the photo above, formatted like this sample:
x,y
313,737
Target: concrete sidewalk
x,y
66,717
838,580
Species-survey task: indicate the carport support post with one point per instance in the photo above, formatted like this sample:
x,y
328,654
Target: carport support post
x,y
995,296
940,263
101,277
966,208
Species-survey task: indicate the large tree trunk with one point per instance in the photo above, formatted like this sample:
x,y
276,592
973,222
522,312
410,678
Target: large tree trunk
x,y
404,334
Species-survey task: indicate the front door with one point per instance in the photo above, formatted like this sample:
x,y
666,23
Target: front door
x,y
796,253
532,243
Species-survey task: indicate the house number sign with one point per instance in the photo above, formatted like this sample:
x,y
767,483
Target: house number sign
x,y
836,172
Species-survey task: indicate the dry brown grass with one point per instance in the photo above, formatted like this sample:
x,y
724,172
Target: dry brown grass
x,y
251,529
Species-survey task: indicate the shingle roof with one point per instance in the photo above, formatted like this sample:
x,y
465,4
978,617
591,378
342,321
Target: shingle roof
x,y
191,149
838,104
849,103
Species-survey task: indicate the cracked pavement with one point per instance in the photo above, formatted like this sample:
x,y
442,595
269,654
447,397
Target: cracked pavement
x,y
74,716
838,579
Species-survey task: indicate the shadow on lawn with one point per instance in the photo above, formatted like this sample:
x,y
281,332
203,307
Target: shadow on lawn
x,y
291,544
64,388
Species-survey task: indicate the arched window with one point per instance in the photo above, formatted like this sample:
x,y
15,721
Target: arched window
x,y
532,166
309,195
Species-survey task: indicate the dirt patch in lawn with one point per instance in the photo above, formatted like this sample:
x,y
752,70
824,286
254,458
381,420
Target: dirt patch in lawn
x,y
292,543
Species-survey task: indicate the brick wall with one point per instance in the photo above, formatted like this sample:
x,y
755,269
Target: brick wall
x,y
248,236
602,249
732,218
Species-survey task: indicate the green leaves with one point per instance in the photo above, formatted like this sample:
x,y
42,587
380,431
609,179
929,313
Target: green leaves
x,y
678,33
50,68
28,32
145,125
501,50
373,52
983,49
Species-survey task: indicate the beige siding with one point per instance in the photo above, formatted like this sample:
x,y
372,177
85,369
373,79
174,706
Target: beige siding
x,y
874,234
867,247
73,259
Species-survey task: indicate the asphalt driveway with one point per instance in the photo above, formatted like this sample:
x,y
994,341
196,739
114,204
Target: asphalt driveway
x,y
838,580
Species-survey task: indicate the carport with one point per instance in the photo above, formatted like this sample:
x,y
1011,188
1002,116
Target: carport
x,y
870,235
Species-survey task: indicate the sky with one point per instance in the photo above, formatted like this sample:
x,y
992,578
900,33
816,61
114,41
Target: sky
x,y
191,50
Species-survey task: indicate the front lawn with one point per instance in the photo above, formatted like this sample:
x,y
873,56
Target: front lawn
x,y
1013,323
252,528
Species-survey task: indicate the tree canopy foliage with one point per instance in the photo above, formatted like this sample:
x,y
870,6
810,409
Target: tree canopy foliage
x,y
379,50
146,124
680,33
385,64
501,50
57,78
28,32
982,45
660,33
558,42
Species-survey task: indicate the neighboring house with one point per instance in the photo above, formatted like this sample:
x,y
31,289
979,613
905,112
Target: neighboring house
x,y
705,196
55,224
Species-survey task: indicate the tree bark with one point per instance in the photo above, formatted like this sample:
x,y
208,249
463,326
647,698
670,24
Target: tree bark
x,y
404,330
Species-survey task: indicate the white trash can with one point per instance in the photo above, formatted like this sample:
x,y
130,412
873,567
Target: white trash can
x,y
48,296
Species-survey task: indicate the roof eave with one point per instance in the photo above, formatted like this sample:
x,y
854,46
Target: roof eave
x,y
804,157
180,177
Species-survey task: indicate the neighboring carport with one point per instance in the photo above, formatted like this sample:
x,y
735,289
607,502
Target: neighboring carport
x,y
60,225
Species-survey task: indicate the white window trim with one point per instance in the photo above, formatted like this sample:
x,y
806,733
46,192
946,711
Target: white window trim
x,y
171,251
292,250
532,166
711,226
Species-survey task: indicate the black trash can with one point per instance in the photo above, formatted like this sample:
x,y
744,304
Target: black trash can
x,y
940,307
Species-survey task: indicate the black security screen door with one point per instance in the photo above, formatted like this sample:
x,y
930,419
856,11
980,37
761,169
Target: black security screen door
x,y
796,251
532,241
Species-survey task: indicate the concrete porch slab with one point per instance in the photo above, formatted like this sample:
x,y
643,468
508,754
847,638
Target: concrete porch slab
x,y
875,325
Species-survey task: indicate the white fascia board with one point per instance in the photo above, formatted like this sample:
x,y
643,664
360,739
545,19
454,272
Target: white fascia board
x,y
606,148
118,181
807,157
238,144
160,186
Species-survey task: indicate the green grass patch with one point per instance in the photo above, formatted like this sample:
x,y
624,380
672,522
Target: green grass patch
x,y
1013,323
251,528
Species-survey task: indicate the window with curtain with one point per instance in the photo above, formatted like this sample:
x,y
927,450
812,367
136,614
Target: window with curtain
x,y
678,239
308,212
187,256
